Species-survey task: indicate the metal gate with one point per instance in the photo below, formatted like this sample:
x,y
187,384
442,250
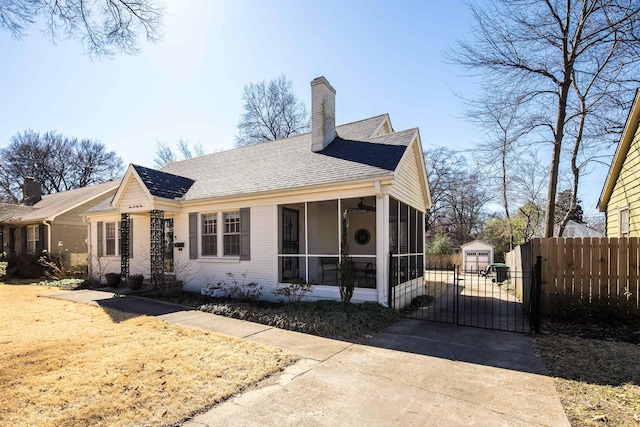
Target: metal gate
x,y
505,301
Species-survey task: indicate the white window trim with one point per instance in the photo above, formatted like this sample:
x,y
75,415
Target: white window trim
x,y
621,211
35,240
117,240
219,256
225,233
201,230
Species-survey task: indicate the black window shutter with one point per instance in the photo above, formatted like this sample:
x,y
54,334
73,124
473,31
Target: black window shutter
x,y
42,239
193,235
99,239
245,234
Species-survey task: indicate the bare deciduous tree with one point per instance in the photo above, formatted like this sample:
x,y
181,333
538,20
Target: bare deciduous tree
x,y
551,54
59,163
165,154
502,119
271,111
458,196
104,26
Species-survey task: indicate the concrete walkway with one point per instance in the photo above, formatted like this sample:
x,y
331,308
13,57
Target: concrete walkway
x,y
413,373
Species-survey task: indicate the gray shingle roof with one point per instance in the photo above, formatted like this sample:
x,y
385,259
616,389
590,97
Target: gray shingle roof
x,y
54,204
11,212
289,163
163,184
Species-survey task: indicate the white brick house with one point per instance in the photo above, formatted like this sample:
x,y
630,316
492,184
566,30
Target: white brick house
x,y
275,211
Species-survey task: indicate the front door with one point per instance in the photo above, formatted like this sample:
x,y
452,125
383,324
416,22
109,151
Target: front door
x,y
168,246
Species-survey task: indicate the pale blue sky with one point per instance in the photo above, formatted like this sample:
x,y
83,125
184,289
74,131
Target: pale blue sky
x,y
380,56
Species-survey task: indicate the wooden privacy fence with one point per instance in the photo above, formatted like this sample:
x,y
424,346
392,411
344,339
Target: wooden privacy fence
x,y
442,261
587,268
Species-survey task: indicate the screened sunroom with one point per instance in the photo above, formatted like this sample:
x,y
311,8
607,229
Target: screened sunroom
x,y
310,236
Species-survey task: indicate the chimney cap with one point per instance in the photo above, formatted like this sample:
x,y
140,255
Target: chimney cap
x,y
322,80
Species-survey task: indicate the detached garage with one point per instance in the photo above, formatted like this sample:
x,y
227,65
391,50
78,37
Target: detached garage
x,y
476,255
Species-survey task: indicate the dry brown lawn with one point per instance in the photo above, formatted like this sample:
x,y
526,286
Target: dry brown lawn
x,y
72,364
598,381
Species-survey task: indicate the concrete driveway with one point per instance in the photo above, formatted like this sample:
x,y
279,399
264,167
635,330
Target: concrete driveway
x,y
415,373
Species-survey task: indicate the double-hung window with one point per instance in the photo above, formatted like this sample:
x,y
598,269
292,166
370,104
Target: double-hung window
x,y
220,234
624,222
209,234
110,234
232,233
33,235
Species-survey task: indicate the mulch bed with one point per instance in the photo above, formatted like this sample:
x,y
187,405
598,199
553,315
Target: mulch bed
x,y
323,318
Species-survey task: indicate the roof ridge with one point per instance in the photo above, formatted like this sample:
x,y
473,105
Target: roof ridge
x,y
161,171
363,120
394,133
267,142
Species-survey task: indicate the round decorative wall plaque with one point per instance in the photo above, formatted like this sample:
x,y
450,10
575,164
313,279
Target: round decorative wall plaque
x,y
362,236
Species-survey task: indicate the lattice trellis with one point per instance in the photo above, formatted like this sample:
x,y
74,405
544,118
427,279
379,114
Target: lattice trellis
x,y
125,231
157,248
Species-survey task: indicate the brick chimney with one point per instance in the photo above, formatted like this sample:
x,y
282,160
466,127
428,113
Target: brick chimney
x,y
31,191
323,114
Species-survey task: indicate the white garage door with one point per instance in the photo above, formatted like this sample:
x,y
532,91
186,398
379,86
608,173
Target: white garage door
x,y
475,260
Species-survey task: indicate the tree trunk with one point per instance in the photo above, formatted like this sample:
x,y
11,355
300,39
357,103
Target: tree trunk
x,y
558,134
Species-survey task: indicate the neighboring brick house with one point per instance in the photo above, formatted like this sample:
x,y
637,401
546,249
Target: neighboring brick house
x,y
273,213
620,197
51,222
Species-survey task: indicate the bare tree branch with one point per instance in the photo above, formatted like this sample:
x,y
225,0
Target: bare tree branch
x,y
271,111
104,27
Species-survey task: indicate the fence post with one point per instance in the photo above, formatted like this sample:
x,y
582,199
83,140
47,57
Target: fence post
x,y
456,294
536,309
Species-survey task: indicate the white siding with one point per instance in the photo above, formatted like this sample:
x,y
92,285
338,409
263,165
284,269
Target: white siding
x,y
134,195
263,265
407,185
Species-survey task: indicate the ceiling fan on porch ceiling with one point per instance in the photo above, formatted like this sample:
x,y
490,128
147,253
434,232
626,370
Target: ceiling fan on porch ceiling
x,y
365,208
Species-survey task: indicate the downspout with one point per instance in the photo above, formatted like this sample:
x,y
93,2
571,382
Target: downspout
x,y
88,243
378,189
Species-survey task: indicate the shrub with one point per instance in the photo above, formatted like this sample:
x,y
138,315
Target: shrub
x,y
293,292
234,289
421,301
25,266
3,265
65,283
55,266
440,245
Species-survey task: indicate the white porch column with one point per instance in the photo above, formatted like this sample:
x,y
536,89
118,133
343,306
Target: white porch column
x,y
382,248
